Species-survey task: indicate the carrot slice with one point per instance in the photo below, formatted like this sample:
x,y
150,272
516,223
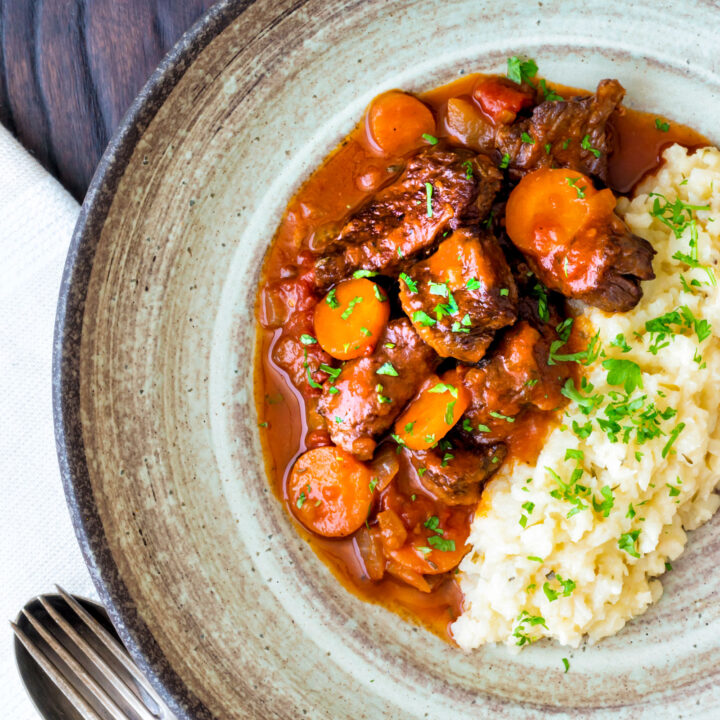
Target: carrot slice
x,y
396,123
548,207
351,318
330,491
438,405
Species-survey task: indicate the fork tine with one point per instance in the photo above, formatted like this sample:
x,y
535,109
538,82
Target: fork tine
x,y
84,677
107,672
109,642
77,700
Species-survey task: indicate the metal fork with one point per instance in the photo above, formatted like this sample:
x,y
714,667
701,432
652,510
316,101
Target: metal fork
x,y
86,663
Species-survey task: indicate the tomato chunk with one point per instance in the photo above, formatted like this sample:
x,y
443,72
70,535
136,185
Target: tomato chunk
x,y
501,99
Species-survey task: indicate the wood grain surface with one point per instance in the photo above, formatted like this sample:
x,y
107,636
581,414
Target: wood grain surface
x,y
69,70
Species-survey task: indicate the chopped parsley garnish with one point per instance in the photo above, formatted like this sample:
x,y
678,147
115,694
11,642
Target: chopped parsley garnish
x,y
566,589
365,331
661,125
566,664
364,274
673,437
573,183
570,491
410,284
585,357
373,484
662,332
306,339
433,523
505,162
524,621
439,289
409,427
620,342
449,410
473,284
463,325
334,373
468,169
500,416
548,148
520,71
674,490
631,512
483,428
440,543
351,306
566,143
423,318
428,198
586,402
678,216
504,292
527,139
549,95
444,387
623,372
430,138
585,145
387,369
535,558
378,293
607,503
331,300
466,425
627,542
540,292
382,399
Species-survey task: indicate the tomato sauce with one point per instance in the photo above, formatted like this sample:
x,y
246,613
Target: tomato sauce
x,y
352,173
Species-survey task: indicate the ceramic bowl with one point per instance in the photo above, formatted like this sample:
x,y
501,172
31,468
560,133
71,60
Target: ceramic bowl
x,y
223,606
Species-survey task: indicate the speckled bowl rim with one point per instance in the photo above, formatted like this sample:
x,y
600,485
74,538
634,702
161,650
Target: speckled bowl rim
x,y
84,513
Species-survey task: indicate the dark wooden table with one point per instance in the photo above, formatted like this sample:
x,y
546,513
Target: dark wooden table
x,y
69,70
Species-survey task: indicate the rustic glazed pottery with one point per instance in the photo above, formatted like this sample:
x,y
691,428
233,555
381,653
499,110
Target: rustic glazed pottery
x,y
222,604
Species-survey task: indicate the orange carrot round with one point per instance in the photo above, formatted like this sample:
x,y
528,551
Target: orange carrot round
x,y
548,207
350,319
330,491
396,123
438,405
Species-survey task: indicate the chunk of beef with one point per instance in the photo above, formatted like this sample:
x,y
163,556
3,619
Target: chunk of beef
x,y
457,476
370,392
460,295
569,134
610,277
396,224
517,377
301,362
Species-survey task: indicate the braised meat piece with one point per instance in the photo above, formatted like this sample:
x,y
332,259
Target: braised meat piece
x,y
439,189
460,295
517,377
574,241
564,133
370,392
457,476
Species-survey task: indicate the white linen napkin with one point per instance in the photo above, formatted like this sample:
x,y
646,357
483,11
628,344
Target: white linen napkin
x,y
37,542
